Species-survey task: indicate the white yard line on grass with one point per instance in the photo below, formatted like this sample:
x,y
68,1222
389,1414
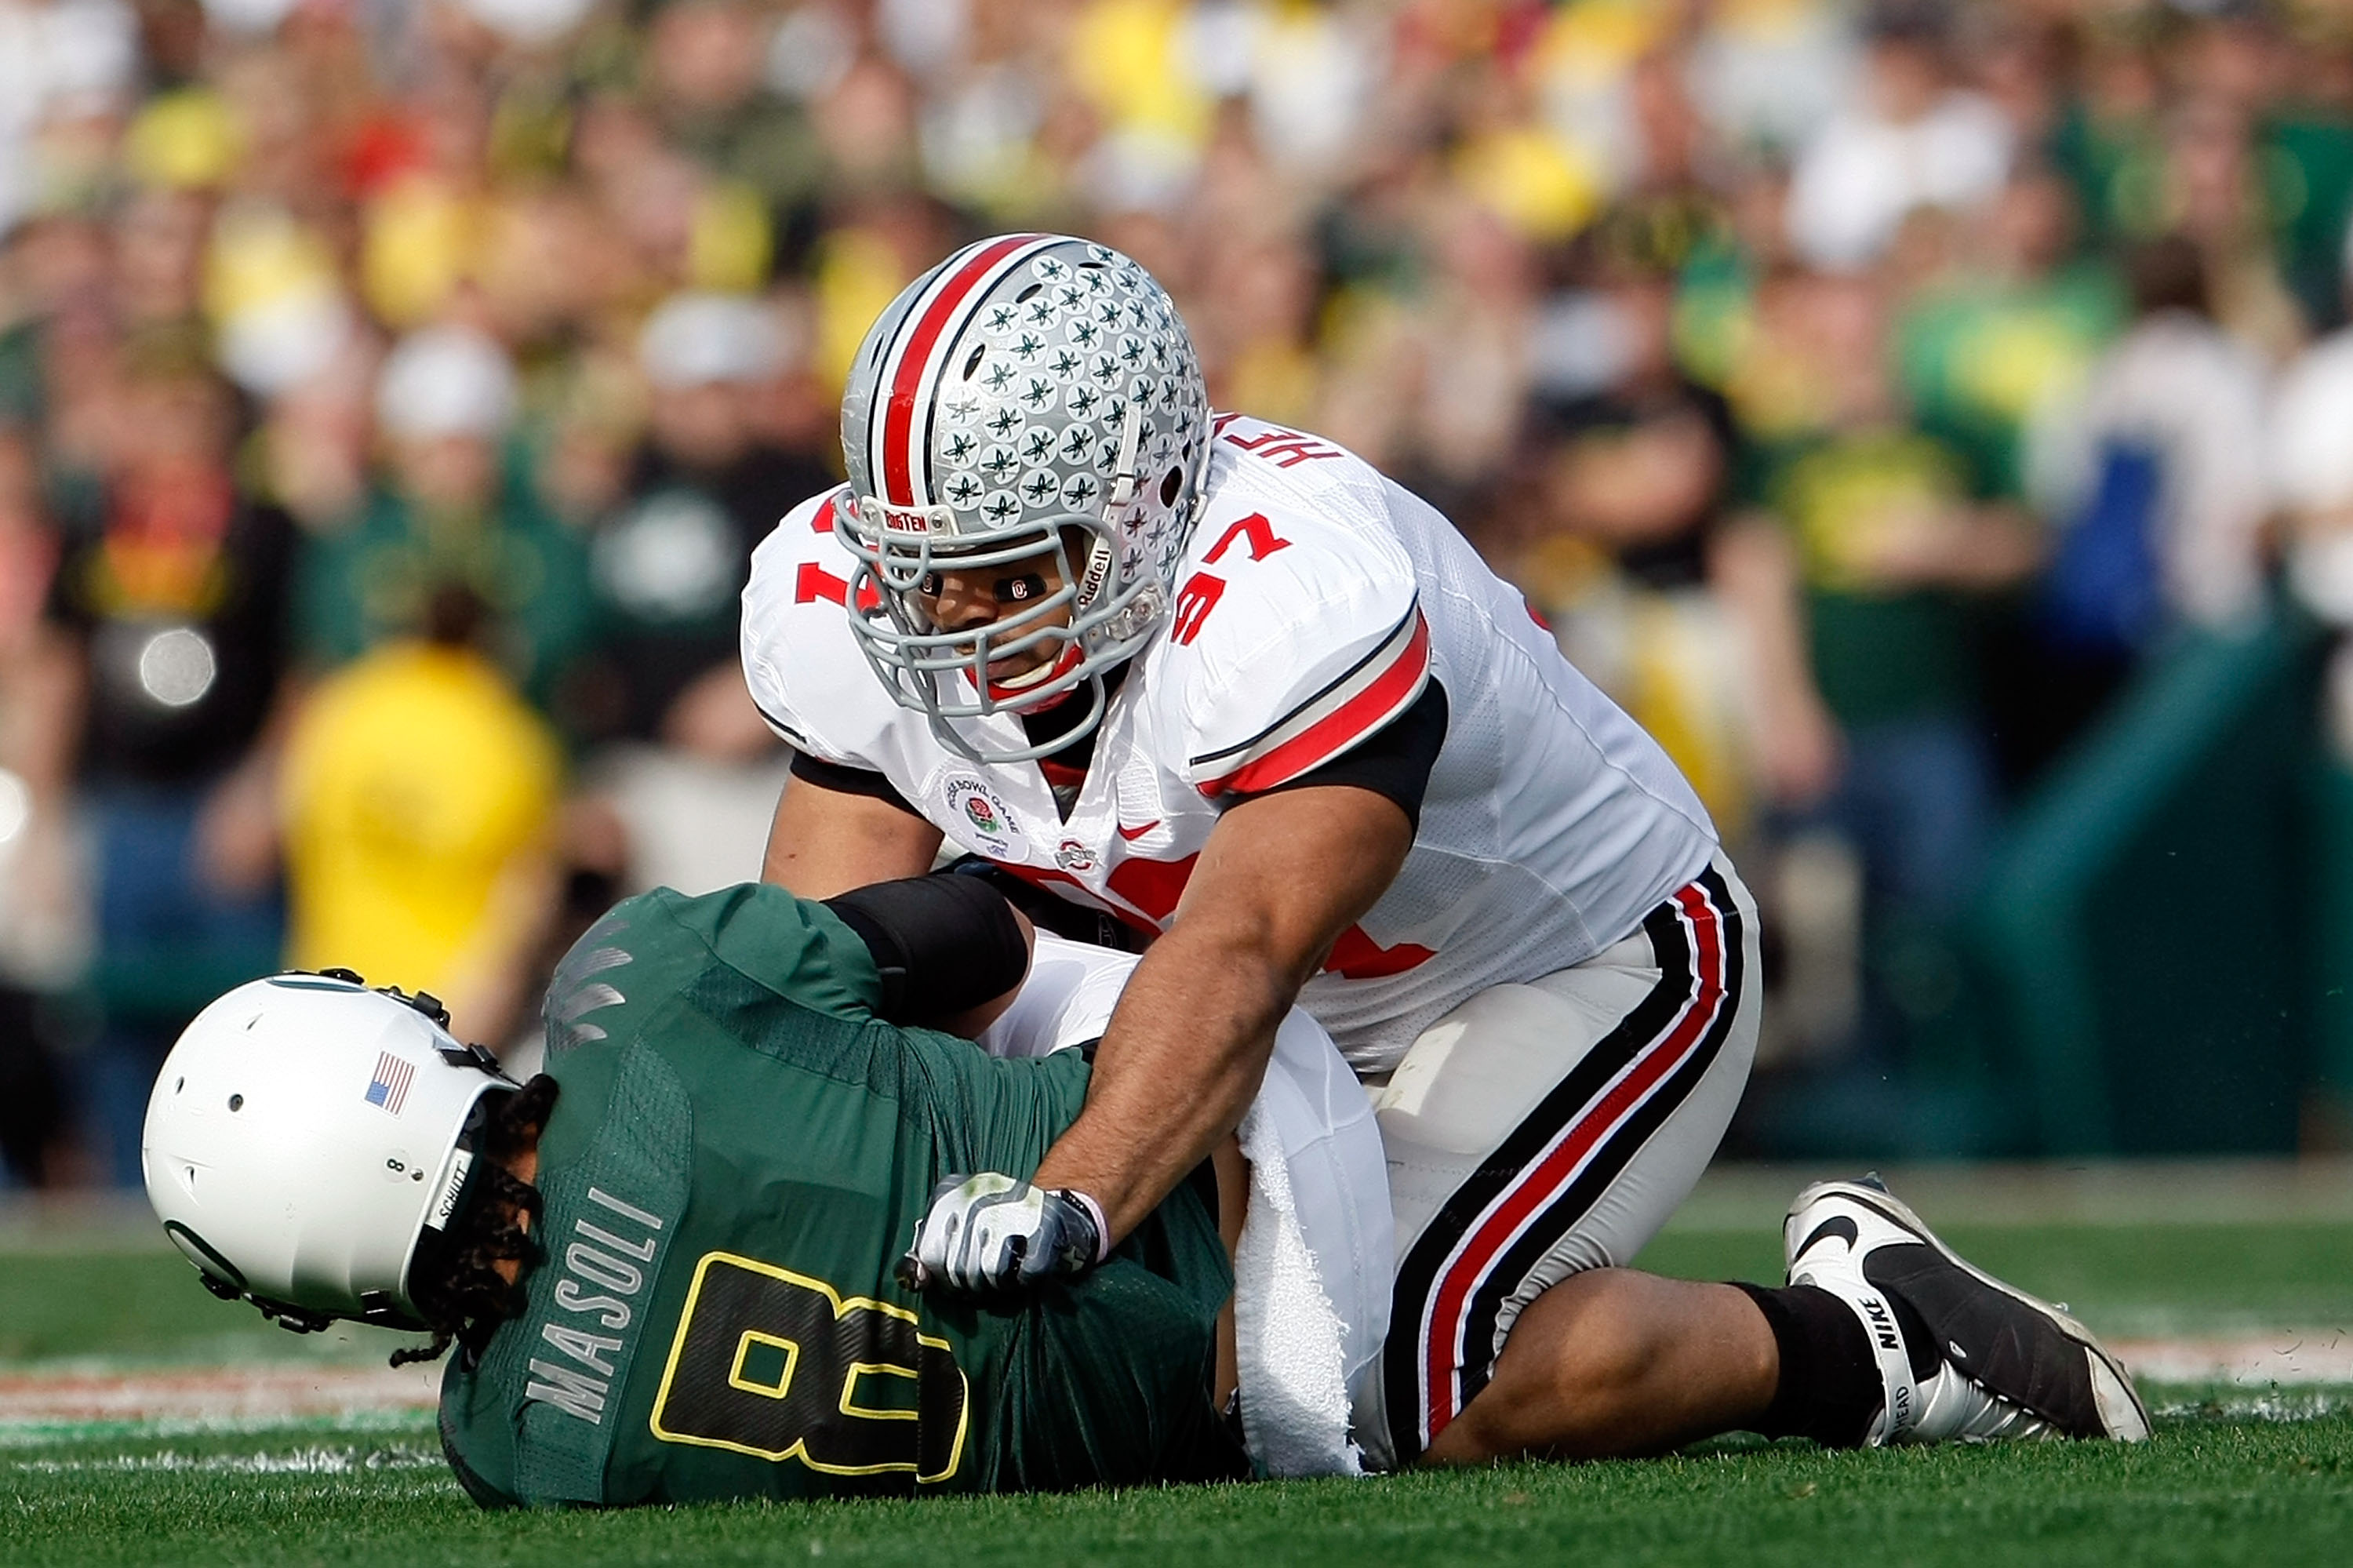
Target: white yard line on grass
x,y
312,1461
222,1394
164,1400
2244,1360
1735,1197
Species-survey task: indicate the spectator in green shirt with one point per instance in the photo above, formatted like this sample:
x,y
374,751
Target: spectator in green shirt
x,y
1898,546
447,508
2017,324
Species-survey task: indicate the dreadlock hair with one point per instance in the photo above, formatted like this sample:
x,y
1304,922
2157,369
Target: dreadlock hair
x,y
460,1294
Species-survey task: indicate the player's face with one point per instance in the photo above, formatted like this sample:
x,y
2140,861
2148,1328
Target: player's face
x,y
969,601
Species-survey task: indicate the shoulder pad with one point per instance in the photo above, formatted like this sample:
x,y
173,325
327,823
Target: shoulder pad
x,y
803,666
1294,637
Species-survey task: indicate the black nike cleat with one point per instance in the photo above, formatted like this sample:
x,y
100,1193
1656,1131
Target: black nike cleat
x,y
1961,1355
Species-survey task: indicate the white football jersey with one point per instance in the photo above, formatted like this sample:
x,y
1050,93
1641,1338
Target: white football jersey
x,y
1314,603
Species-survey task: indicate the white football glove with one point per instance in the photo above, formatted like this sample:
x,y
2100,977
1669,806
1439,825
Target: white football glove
x,y
993,1233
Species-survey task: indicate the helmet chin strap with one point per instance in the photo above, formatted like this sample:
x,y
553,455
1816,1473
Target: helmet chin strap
x,y
1125,481
1125,485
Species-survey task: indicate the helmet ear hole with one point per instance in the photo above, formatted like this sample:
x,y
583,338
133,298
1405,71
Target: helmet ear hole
x,y
1171,485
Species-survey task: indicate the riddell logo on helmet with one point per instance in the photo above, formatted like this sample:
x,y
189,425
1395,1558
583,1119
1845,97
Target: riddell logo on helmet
x,y
1098,567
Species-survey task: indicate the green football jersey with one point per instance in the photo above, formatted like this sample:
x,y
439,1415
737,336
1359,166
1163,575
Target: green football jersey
x,y
739,1156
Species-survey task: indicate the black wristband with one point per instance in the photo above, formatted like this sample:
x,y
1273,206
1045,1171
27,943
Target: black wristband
x,y
943,944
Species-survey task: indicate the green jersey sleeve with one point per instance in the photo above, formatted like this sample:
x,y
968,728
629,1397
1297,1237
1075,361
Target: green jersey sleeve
x,y
792,947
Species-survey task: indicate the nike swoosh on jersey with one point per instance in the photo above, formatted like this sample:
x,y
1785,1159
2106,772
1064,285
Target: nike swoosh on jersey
x,y
1131,834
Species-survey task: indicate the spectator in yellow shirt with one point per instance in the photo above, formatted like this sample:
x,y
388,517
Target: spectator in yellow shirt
x,y
419,795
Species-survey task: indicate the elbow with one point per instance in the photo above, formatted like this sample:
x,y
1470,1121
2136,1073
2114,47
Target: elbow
x,y
1260,980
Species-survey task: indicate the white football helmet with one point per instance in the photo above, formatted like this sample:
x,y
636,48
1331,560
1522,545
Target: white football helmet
x,y
309,1139
1033,397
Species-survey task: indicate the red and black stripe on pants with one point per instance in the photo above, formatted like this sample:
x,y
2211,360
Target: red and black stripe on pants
x,y
1551,1169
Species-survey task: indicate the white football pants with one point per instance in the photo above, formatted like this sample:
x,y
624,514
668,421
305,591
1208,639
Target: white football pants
x,y
1543,1128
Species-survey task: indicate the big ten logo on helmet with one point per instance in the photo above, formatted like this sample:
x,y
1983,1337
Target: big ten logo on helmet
x,y
880,516
983,821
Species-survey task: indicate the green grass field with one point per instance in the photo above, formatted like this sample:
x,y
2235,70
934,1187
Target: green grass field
x,y
2244,1472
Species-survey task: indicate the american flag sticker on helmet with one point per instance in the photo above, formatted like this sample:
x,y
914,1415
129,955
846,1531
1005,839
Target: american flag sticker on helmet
x,y
389,1087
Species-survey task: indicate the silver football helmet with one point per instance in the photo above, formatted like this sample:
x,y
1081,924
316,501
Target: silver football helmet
x,y
1033,397
309,1139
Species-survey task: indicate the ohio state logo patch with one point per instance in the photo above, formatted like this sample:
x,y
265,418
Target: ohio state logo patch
x,y
1074,856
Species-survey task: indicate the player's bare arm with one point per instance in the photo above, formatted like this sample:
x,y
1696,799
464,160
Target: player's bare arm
x,y
1282,877
826,842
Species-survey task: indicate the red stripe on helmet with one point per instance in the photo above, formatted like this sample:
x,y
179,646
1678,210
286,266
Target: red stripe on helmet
x,y
898,413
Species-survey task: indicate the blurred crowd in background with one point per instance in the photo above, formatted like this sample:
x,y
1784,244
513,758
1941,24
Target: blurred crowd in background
x,y
391,391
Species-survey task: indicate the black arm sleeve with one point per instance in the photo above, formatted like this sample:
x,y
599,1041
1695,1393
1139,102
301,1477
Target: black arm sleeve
x,y
1096,927
943,944
848,780
1395,762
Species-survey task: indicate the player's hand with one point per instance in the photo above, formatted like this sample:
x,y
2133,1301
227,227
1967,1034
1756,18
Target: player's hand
x,y
992,1233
